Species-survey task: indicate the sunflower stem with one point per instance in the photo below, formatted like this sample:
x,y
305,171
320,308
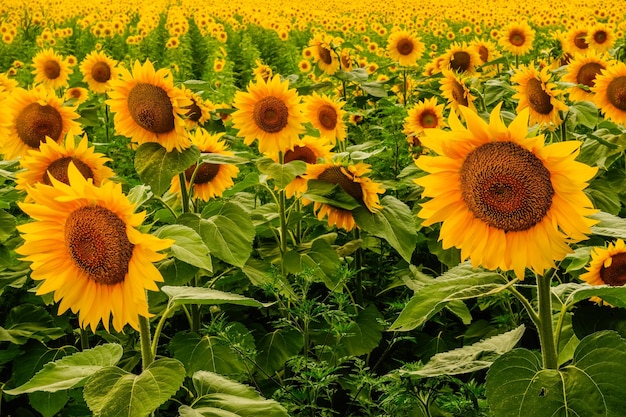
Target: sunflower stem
x,y
534,317
404,87
146,345
106,121
157,331
282,213
84,339
183,192
546,333
359,274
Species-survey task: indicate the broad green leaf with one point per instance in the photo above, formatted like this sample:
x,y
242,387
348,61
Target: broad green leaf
x,y
250,180
7,225
609,225
28,321
615,296
259,273
176,272
276,347
48,403
592,385
320,260
374,88
602,148
394,222
71,371
188,245
113,392
362,336
207,354
479,355
282,174
156,167
216,158
139,194
34,358
358,75
604,196
584,113
457,284
180,295
332,194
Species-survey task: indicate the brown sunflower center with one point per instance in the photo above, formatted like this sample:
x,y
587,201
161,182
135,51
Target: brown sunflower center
x,y
324,55
151,108
35,122
615,274
101,72
458,93
52,69
405,46
205,173
616,92
588,72
517,38
194,113
506,186
97,243
345,61
327,116
580,42
271,114
58,170
600,37
300,153
538,99
483,52
428,119
334,175
460,61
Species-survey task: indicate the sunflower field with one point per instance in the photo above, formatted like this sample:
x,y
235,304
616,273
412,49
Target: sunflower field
x,y
316,209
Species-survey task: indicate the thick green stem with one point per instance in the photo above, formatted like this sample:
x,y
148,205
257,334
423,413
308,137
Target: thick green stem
x,y
546,333
146,345
158,330
84,339
282,213
106,122
183,192
529,308
358,266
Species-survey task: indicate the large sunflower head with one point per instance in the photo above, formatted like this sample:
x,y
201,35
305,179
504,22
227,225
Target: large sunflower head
x,y
600,37
404,47
29,116
582,71
85,247
505,200
610,92
51,69
576,40
517,38
326,115
461,58
98,70
209,180
148,108
607,266
53,159
352,180
270,112
454,89
539,95
321,47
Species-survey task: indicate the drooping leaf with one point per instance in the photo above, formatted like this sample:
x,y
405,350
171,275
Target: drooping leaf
x,y
276,347
394,222
188,245
156,167
180,295
592,385
206,354
71,371
609,225
332,194
282,174
113,392
479,355
570,293
28,321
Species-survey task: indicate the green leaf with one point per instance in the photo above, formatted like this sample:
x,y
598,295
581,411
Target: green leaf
x,y
571,293
601,148
206,353
394,222
219,396
188,245
216,158
374,88
7,225
592,385
332,194
459,283
71,371
362,336
197,295
48,403
276,347
113,392
156,167
139,194
609,225
28,321
604,196
479,355
585,113
176,272
282,174
320,260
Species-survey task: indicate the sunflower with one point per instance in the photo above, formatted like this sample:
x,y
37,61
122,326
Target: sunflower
x,y
346,60
77,95
98,70
262,70
607,266
404,47
610,92
6,84
505,200
270,112
351,179
575,41
426,114
536,92
148,108
461,58
582,71
85,247
53,159
487,52
209,180
517,38
31,115
326,115
199,111
454,89
51,69
323,54
600,37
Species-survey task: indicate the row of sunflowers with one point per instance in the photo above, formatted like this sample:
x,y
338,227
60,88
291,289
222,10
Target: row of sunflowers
x,y
365,209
